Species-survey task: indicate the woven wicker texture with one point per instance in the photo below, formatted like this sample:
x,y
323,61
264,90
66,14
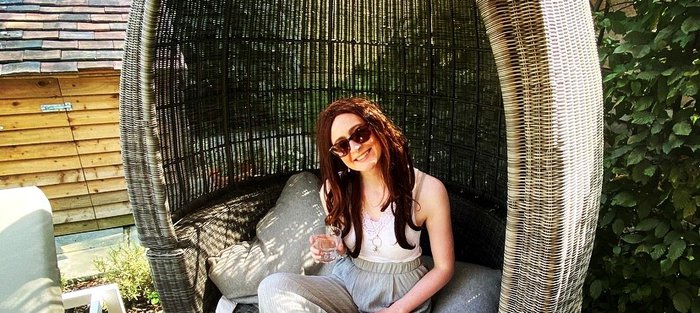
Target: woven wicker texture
x,y
219,101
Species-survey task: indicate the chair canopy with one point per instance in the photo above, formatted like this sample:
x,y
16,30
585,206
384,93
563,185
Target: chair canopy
x,y
501,100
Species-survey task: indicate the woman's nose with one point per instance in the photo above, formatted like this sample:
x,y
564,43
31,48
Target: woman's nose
x,y
354,146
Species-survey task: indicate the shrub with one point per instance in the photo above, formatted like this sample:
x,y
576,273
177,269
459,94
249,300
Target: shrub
x,y
646,257
126,265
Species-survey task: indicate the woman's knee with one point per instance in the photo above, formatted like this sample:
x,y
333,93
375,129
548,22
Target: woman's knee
x,y
276,282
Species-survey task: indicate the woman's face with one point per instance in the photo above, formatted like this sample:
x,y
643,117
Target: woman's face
x,y
361,157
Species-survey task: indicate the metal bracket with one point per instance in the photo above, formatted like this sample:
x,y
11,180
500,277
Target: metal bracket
x,y
57,107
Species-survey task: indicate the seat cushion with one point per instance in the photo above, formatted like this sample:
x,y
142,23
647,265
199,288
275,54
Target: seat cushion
x,y
281,243
473,288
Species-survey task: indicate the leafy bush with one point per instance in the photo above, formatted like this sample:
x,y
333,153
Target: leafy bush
x,y
646,257
126,265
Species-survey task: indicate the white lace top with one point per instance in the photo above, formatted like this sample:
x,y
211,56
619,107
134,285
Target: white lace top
x,y
379,242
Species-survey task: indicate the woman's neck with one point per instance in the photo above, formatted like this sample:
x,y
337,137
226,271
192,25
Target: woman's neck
x,y
372,178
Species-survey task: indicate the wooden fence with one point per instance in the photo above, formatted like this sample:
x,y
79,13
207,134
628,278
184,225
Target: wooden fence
x,y
72,154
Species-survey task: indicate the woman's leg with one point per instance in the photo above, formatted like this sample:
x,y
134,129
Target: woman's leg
x,y
287,292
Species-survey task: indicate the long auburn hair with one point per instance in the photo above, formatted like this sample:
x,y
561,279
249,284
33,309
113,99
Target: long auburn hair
x,y
344,187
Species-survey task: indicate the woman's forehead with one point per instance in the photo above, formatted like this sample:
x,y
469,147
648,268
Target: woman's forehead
x,y
343,125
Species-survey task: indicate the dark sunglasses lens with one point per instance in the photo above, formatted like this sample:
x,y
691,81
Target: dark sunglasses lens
x,y
341,148
361,134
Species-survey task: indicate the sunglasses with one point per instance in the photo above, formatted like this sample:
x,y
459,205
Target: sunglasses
x,y
360,136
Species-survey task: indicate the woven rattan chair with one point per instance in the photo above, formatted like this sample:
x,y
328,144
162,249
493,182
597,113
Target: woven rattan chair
x,y
501,100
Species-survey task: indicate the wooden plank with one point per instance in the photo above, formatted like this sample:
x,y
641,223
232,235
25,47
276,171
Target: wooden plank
x,y
26,106
65,190
84,132
60,177
73,228
112,209
98,145
93,102
19,88
109,184
103,198
39,165
33,121
67,203
102,172
89,85
34,136
101,159
73,215
41,179
38,151
116,221
90,117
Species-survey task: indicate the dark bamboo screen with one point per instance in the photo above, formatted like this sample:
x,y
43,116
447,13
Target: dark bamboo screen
x,y
239,85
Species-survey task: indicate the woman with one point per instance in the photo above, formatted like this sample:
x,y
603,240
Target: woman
x,y
373,193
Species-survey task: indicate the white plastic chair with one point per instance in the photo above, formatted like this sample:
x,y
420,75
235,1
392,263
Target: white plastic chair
x,y
29,267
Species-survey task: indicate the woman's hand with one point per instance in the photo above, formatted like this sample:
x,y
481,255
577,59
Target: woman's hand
x,y
316,253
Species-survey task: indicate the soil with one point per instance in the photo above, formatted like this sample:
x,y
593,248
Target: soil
x,y
138,306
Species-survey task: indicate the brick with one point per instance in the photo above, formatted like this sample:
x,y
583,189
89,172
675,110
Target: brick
x,y
10,34
40,17
110,35
60,25
21,8
107,18
41,34
76,35
105,2
117,26
88,10
13,56
109,54
13,16
55,44
55,9
20,44
118,65
41,1
95,44
78,55
21,25
74,17
95,64
40,55
21,68
11,1
117,10
93,26
118,44
58,67
73,2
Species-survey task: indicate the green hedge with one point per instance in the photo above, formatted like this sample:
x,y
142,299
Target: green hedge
x,y
646,256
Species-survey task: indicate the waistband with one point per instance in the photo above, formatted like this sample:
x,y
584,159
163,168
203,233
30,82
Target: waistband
x,y
387,268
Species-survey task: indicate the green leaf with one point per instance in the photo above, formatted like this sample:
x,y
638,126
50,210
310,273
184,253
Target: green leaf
x,y
666,265
672,143
619,152
663,35
657,251
647,75
681,199
596,288
607,218
632,238
650,170
682,128
617,226
643,103
637,137
656,128
639,51
681,302
616,250
647,224
661,229
643,117
636,156
691,24
625,199
676,249
685,267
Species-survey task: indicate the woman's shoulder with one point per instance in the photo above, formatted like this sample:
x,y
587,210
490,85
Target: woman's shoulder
x,y
429,188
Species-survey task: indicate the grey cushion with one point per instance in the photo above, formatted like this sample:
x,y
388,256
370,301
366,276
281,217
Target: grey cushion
x,y
30,277
473,288
281,243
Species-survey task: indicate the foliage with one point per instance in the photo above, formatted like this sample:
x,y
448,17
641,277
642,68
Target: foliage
x,y
126,266
646,257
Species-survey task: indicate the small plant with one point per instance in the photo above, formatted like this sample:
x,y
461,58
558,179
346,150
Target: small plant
x,y
126,266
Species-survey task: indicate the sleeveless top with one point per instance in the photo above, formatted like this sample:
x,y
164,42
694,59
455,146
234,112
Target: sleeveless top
x,y
379,242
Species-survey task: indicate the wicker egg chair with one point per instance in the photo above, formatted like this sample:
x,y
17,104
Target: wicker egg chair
x,y
500,99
